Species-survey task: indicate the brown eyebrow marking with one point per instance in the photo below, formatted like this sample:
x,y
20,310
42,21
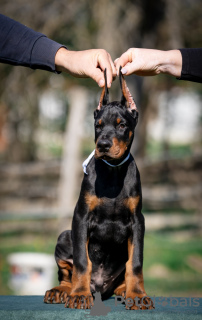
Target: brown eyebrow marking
x,y
118,120
132,202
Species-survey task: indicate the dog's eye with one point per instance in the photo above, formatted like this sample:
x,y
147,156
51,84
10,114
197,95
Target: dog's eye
x,y
122,126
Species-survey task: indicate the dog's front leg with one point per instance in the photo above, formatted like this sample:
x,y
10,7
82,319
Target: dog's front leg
x,y
80,296
136,297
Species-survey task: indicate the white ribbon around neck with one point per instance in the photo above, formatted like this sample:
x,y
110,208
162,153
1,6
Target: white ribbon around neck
x,y
86,162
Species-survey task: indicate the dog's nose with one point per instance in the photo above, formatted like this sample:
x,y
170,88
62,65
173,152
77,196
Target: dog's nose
x,y
98,288
103,145
99,284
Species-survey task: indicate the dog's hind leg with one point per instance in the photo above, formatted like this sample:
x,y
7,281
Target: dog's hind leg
x,y
64,259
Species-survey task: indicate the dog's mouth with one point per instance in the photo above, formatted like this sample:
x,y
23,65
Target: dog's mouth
x,y
103,155
107,156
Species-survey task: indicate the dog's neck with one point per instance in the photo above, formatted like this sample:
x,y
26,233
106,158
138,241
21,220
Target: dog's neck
x,y
117,162
114,163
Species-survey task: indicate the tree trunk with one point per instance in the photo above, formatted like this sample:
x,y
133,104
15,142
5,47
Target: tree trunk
x,y
70,166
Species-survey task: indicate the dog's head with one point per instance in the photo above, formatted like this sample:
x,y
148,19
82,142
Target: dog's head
x,y
115,123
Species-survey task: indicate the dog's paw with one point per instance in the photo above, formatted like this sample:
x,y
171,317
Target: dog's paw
x,y
139,303
57,295
121,290
79,301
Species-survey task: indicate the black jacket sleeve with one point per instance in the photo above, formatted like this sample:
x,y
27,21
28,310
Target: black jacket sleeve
x,y
20,45
191,65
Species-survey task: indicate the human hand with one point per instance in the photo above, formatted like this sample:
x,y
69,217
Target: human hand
x,y
88,63
150,62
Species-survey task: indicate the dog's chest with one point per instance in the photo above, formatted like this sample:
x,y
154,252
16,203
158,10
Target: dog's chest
x,y
111,200
110,220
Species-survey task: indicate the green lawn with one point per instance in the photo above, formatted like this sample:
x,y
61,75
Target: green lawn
x,y
166,265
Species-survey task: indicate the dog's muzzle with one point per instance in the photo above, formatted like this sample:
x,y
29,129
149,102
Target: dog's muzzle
x,y
104,146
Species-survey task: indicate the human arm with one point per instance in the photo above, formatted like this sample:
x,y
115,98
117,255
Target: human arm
x,y
184,64
191,64
149,62
20,45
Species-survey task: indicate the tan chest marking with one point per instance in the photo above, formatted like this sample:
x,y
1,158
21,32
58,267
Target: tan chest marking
x,y
93,201
131,203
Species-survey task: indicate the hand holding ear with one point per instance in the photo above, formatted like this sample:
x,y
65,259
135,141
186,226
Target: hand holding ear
x,y
88,63
149,62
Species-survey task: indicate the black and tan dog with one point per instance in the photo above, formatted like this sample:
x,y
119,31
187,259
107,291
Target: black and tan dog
x,y
104,250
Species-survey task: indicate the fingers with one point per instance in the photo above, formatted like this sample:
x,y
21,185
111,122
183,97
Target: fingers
x,y
147,62
104,60
92,63
87,63
98,76
142,62
125,61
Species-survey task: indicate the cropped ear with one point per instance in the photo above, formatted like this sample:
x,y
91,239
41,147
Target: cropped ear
x,y
127,99
104,98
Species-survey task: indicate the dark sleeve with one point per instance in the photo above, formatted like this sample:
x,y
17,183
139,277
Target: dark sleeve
x,y
191,65
20,45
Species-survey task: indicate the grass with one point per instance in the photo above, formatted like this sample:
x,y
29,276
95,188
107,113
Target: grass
x,y
179,279
164,249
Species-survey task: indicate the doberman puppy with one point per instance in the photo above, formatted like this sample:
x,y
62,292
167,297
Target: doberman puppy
x,y
104,250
